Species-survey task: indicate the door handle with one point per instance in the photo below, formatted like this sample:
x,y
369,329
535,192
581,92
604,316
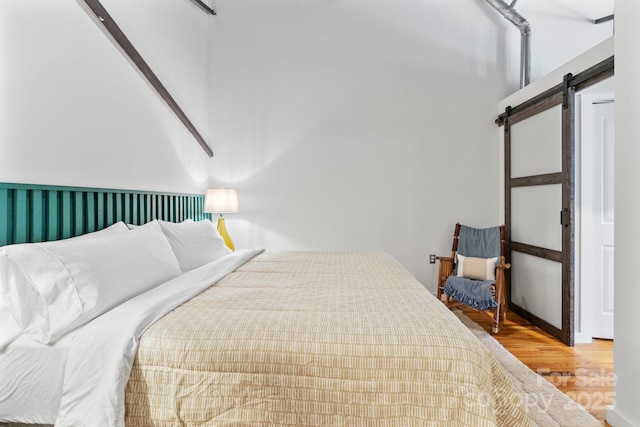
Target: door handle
x,y
565,219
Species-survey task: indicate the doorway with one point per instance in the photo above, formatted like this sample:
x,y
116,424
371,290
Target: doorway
x,y
595,178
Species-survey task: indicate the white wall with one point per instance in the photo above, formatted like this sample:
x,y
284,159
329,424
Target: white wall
x,y
560,31
359,126
74,111
627,206
349,126
345,125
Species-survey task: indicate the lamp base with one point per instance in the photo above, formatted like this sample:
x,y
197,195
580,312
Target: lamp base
x,y
223,232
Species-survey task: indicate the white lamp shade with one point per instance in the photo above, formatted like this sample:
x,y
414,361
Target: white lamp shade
x,y
221,200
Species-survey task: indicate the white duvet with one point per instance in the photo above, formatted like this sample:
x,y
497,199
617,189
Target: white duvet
x,y
100,358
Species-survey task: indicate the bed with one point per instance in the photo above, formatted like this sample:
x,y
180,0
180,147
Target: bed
x,y
263,338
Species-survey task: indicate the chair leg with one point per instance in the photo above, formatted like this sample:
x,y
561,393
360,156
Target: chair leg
x,y
497,315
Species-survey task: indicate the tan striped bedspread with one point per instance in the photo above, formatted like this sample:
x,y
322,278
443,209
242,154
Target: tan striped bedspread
x,y
323,339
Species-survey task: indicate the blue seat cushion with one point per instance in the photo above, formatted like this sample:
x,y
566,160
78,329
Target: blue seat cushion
x,y
474,293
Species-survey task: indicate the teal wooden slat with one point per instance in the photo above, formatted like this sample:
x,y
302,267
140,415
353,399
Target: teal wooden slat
x,y
148,207
38,217
173,209
135,209
6,217
53,215
196,211
101,211
21,217
109,210
144,208
199,208
66,215
165,208
141,209
154,204
127,208
119,215
90,220
152,209
79,214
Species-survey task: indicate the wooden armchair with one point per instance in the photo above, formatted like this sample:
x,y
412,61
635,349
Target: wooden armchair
x,y
474,274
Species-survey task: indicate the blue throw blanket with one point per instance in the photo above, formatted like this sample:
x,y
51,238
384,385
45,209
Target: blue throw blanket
x,y
479,242
474,293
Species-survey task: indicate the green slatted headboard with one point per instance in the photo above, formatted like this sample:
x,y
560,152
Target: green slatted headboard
x,y
37,213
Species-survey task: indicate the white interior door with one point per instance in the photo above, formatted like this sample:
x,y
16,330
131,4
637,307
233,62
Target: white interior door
x,y
597,280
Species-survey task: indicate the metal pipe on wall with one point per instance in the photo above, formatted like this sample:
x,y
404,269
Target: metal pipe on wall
x,y
525,36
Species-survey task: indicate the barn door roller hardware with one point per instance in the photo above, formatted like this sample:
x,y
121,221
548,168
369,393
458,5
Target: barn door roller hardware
x,y
128,48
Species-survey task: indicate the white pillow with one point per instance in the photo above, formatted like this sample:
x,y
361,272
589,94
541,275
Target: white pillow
x,y
476,268
194,243
117,227
132,226
9,330
21,306
53,287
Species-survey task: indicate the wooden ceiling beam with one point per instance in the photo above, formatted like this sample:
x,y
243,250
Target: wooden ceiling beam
x,y
128,48
205,6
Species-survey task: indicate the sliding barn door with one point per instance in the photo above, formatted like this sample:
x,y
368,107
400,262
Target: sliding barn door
x,y
539,140
539,200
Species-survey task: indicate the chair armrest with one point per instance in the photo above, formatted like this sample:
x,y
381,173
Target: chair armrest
x,y
503,265
445,269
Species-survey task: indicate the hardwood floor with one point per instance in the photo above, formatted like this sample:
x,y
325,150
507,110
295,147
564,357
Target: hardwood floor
x,y
584,372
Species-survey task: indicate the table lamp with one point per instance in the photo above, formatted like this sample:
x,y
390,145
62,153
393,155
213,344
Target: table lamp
x,y
222,200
